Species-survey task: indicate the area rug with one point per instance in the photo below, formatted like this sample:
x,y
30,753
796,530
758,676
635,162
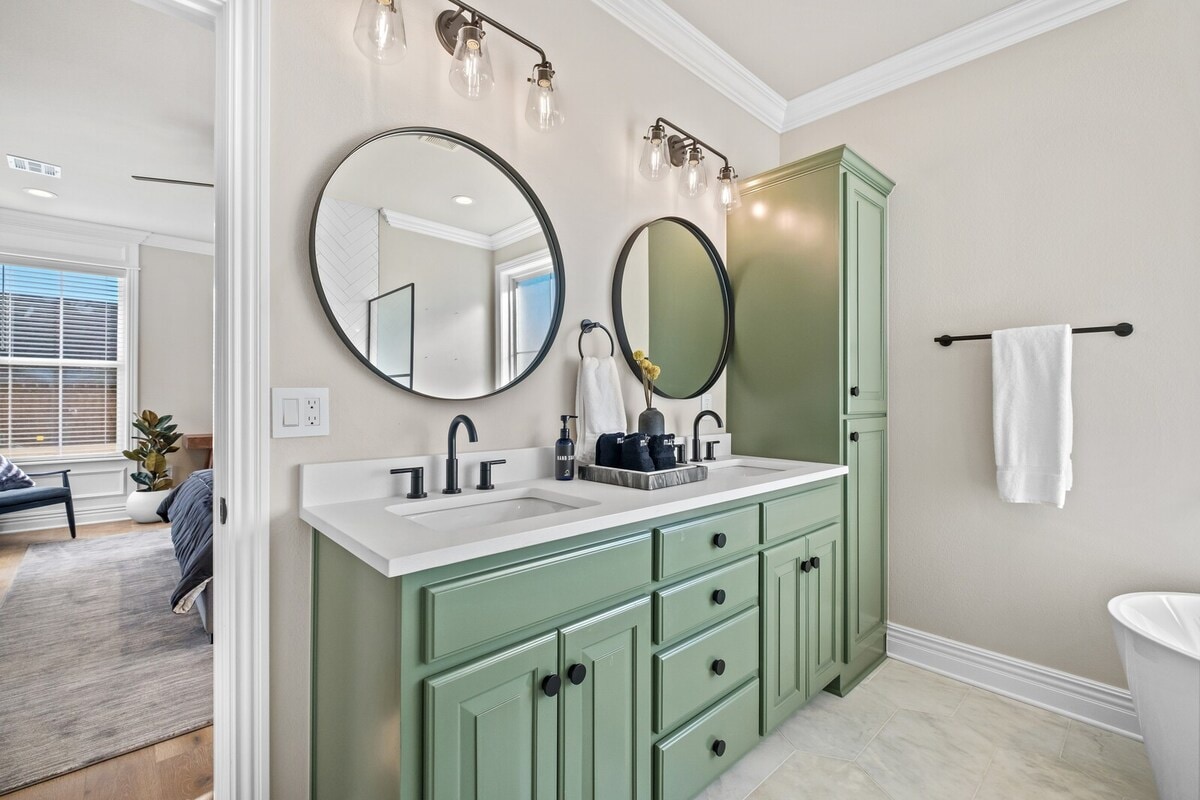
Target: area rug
x,y
93,663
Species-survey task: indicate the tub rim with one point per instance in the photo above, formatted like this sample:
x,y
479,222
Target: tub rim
x,y
1114,609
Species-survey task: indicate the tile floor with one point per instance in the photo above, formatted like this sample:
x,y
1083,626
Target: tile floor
x,y
908,734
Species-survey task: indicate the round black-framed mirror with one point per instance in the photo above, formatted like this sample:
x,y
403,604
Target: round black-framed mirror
x,y
672,299
436,264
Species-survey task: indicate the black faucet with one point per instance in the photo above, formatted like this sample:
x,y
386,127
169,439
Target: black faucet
x,y
696,430
452,451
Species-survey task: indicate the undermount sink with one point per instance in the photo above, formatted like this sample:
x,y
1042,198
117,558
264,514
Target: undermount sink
x,y
744,467
490,508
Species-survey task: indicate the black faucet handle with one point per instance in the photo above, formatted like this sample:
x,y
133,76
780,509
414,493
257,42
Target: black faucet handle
x,y
416,489
485,473
681,453
710,451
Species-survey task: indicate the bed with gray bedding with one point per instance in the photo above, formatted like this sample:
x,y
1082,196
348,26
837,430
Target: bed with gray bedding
x,y
189,509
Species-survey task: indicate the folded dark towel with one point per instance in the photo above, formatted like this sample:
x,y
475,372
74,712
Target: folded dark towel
x,y
608,449
635,453
662,450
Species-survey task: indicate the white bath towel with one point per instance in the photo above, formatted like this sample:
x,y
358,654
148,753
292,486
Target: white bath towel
x,y
599,404
1031,413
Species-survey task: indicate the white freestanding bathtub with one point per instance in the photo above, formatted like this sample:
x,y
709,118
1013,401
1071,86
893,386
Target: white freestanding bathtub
x,y
1158,635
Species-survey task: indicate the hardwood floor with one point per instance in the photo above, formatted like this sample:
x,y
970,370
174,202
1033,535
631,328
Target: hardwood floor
x,y
177,769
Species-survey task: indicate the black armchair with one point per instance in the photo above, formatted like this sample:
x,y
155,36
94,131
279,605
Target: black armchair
x,y
14,500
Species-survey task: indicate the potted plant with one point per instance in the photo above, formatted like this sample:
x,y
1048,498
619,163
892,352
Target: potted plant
x,y
651,420
156,437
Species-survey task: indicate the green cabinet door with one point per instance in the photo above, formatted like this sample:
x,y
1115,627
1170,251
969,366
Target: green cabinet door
x,y
866,328
825,607
785,639
490,728
606,716
866,536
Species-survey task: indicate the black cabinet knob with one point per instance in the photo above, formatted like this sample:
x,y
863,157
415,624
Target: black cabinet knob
x,y
816,562
576,673
854,436
718,666
718,597
806,566
551,684
718,747
719,539
854,391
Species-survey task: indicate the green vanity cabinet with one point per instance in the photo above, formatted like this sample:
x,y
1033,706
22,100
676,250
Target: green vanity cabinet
x,y
808,265
802,620
568,669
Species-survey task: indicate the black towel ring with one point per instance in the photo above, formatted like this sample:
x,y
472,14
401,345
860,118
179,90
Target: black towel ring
x,y
587,326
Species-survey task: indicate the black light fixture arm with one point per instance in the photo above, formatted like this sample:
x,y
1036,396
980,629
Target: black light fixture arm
x,y
478,16
689,138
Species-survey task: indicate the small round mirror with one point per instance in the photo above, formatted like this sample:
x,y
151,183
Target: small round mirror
x,y
436,264
671,299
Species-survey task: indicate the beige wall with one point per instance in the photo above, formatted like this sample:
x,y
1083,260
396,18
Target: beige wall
x,y
1055,181
175,344
326,98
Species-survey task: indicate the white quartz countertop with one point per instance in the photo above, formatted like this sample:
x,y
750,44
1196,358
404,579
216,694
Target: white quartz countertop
x,y
396,545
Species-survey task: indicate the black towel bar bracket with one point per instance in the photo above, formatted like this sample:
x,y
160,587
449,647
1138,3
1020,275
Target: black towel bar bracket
x,y
586,327
1120,329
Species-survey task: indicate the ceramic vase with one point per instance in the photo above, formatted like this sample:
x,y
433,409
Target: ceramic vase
x,y
651,422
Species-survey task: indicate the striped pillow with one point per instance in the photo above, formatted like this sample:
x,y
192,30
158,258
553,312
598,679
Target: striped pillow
x,y
12,477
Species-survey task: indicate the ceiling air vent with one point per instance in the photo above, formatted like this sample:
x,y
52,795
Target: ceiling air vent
x,y
36,167
438,141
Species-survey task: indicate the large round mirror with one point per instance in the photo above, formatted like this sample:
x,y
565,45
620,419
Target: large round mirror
x,y
671,299
436,264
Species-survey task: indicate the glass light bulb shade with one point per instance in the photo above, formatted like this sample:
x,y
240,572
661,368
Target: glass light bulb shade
x,y
471,69
541,108
379,31
693,181
655,162
729,198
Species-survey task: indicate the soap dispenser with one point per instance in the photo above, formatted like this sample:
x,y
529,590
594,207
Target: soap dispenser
x,y
564,452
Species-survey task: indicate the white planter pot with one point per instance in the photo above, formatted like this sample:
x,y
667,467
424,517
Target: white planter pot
x,y
143,506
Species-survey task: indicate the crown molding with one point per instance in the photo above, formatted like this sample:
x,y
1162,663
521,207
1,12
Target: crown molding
x,y
985,36
510,235
666,29
178,243
31,235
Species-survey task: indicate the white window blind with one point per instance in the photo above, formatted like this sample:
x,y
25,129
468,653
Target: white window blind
x,y
62,362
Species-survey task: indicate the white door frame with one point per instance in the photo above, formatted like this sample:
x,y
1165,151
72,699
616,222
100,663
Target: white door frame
x,y
241,408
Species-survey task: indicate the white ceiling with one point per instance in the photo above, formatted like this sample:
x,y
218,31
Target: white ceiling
x,y
406,174
800,45
107,89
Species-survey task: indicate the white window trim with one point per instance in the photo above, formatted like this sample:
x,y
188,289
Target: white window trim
x,y
34,240
535,263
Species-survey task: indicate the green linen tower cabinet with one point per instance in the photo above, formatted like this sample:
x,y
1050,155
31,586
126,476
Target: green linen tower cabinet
x,y
808,371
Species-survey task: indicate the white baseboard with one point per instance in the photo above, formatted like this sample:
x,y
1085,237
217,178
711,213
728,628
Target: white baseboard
x,y
56,517
1070,695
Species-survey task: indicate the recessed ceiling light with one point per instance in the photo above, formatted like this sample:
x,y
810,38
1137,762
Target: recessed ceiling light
x,y
463,200
39,192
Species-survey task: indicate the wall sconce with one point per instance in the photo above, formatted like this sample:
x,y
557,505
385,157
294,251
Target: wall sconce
x,y
471,69
661,152
379,31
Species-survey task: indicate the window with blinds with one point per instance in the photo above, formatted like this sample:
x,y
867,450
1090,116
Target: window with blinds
x,y
62,362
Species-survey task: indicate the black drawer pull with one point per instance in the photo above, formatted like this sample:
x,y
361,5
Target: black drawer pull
x,y
718,667
854,391
806,566
718,747
854,436
718,597
816,562
576,674
551,684
719,539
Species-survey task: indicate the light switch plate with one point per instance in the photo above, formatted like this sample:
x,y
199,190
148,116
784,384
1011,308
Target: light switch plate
x,y
299,412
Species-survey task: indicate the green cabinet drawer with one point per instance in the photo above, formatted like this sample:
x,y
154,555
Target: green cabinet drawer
x,y
693,674
703,600
803,511
687,761
708,540
474,609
